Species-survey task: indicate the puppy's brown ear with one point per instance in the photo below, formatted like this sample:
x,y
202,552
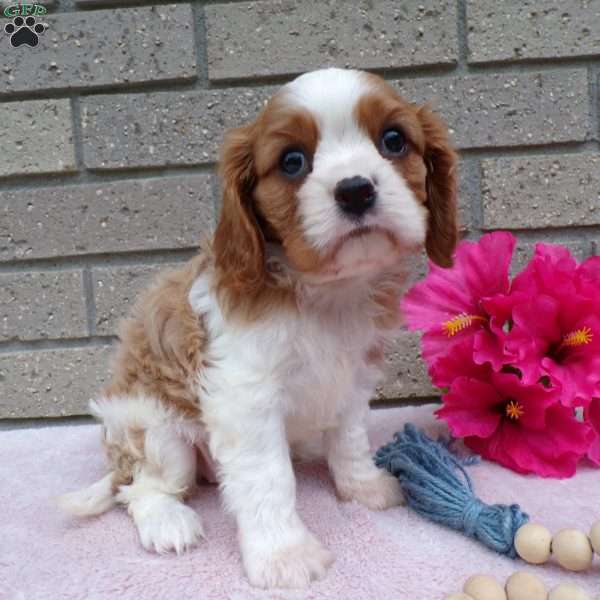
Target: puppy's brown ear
x,y
440,160
238,243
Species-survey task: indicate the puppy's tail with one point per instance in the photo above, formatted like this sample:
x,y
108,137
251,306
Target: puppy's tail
x,y
93,500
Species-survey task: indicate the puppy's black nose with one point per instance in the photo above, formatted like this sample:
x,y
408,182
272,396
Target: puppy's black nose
x,y
355,195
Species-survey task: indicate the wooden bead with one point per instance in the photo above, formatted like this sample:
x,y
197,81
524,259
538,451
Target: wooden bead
x,y
459,596
532,542
484,587
568,591
525,586
595,537
572,549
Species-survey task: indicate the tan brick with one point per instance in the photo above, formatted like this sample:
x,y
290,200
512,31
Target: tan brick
x,y
117,288
508,109
549,191
104,48
141,214
532,29
163,128
37,137
247,39
405,372
38,305
51,383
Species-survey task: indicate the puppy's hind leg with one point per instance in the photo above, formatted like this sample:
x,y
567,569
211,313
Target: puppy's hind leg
x,y
161,480
153,468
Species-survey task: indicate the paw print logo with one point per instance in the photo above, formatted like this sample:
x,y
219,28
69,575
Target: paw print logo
x,y
24,31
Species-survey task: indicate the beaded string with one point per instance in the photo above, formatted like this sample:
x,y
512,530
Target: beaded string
x,y
519,586
438,488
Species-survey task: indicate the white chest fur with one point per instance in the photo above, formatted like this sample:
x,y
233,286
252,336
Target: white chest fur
x,y
313,361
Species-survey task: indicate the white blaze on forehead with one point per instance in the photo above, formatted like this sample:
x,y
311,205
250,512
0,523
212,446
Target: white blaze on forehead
x,y
331,96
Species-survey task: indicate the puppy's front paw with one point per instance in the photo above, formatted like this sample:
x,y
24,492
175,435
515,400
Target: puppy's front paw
x,y
166,524
381,492
293,566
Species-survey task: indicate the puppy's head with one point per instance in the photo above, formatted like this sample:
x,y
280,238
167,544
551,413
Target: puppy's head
x,y
341,173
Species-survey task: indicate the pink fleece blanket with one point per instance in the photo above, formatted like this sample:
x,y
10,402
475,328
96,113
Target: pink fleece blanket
x,y
390,555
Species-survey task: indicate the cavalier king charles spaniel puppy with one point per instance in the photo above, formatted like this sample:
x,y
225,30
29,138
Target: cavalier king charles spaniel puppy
x,y
268,345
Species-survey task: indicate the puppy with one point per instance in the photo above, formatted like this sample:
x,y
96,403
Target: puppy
x,y
270,340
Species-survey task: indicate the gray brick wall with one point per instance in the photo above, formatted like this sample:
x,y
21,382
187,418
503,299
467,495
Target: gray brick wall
x,y
110,129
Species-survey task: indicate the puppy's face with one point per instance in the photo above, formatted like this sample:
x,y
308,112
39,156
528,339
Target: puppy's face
x,y
343,174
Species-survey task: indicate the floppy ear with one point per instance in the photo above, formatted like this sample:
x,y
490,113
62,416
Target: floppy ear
x,y
238,243
440,160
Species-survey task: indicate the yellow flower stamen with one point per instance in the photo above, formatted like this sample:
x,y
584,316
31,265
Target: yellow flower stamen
x,y
579,337
459,323
514,410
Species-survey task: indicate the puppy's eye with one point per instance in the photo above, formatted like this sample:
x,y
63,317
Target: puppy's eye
x,y
393,143
293,163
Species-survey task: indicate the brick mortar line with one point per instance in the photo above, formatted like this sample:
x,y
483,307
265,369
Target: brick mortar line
x,y
594,98
77,133
531,151
17,346
156,258
433,71
108,176
525,65
548,236
99,261
215,190
462,39
397,402
90,299
407,72
102,176
552,235
201,45
139,87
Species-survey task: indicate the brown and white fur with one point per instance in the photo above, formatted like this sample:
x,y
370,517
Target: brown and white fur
x,y
271,338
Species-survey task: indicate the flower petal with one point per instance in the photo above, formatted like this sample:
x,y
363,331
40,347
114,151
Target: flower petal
x,y
492,449
482,276
469,408
535,328
489,349
458,363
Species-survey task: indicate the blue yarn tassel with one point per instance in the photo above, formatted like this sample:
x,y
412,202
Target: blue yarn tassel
x,y
438,488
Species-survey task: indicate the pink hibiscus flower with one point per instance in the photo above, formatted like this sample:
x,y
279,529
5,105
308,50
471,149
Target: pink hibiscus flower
x,y
523,427
555,324
448,304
